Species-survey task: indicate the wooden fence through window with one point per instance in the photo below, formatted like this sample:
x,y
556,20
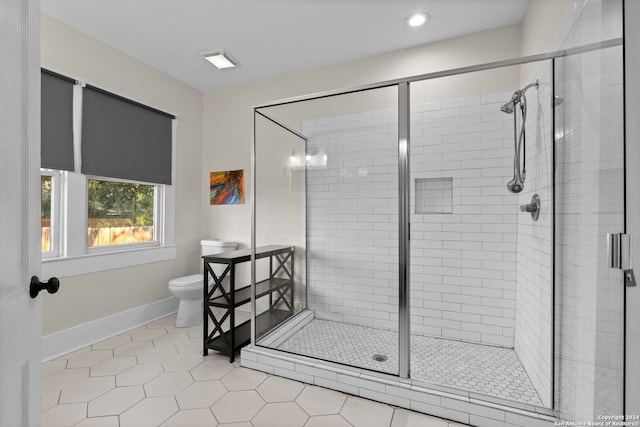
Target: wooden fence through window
x,y
105,236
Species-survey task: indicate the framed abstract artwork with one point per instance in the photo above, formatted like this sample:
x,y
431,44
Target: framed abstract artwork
x,y
226,188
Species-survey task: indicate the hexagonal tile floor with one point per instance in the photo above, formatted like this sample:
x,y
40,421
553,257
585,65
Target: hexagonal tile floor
x,y
155,376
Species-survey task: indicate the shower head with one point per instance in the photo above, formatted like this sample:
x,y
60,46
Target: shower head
x,y
508,107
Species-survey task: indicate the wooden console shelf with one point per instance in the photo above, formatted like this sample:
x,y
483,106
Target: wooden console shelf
x,y
278,286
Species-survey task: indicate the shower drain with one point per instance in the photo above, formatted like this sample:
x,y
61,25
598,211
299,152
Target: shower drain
x,y
380,357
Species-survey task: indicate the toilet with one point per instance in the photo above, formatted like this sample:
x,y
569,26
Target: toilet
x,y
188,289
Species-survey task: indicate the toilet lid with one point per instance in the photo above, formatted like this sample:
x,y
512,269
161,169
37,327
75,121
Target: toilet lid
x,y
193,280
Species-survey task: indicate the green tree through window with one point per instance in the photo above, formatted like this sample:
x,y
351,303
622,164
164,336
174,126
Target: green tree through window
x,y
45,212
127,209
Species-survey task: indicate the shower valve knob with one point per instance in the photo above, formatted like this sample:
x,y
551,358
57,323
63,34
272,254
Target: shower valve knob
x,y
533,208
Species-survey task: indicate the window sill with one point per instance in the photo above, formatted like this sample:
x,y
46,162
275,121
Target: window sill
x,y
91,263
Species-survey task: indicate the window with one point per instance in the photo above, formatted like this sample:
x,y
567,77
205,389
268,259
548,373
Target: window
x,y
50,213
45,217
120,213
108,199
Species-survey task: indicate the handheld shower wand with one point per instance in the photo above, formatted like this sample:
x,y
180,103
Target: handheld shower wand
x,y
516,184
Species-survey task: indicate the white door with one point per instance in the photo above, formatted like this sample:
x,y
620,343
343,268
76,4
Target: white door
x,y
19,212
632,111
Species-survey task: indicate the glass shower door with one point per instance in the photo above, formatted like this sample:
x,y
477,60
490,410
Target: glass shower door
x,y
335,160
589,350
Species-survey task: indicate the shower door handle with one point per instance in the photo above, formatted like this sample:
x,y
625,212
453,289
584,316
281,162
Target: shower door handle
x,y
629,278
619,251
619,255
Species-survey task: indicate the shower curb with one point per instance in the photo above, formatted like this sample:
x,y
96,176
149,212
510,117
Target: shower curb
x,y
404,393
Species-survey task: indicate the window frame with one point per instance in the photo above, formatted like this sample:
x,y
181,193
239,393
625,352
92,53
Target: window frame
x,y
55,222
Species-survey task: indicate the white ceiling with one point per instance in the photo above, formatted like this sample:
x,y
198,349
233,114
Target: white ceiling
x,y
271,38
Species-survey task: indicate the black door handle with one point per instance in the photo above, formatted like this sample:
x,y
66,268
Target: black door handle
x,y
52,285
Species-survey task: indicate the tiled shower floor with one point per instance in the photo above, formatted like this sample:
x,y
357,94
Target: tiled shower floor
x,y
493,371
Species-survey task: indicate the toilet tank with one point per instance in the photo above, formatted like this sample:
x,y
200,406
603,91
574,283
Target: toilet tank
x,y
215,246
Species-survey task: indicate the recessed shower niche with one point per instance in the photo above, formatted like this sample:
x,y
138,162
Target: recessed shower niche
x,y
434,195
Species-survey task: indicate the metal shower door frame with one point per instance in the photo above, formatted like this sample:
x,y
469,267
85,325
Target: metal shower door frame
x,y
404,144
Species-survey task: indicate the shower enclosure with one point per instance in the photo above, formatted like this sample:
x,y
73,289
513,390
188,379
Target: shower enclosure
x,y
415,257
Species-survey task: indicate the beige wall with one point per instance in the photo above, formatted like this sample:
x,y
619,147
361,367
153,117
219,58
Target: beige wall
x,y
542,26
88,297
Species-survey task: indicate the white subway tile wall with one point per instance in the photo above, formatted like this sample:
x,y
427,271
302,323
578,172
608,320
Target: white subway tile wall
x,y
533,328
462,264
463,269
480,269
353,219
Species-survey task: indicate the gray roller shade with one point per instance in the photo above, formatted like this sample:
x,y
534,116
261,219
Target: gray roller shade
x,y
124,139
56,121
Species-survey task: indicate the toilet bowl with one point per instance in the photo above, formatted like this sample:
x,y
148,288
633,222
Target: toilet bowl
x,y
188,289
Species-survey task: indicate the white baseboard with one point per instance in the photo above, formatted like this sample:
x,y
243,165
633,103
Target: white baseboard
x,y
77,337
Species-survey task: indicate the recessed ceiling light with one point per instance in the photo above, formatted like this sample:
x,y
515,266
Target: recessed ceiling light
x,y
219,59
417,19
